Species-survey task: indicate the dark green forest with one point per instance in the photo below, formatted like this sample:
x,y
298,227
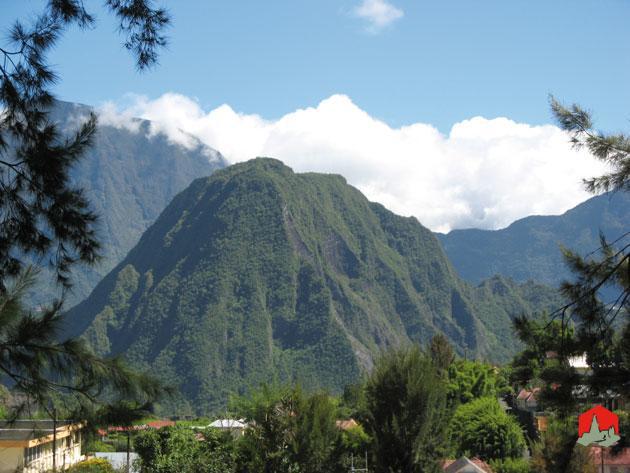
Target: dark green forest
x,y
259,273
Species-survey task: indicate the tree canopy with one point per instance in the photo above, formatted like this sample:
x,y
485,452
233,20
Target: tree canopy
x,y
42,214
406,412
482,429
586,325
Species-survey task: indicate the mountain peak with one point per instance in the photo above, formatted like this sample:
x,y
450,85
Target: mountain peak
x,y
257,272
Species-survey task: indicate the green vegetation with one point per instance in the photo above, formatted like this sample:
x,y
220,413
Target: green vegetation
x,y
404,425
258,273
510,465
481,428
406,413
42,211
129,177
94,465
184,450
468,380
5,395
585,326
557,451
63,378
290,431
529,249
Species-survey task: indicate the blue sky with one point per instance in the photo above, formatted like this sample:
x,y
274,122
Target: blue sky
x,y
442,62
435,108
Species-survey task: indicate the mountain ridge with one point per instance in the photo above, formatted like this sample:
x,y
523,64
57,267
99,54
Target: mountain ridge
x,y
129,177
257,272
529,248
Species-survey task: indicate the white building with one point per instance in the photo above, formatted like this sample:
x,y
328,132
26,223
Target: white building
x,y
233,426
26,446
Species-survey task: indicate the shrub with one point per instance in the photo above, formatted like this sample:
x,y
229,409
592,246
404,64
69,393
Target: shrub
x,y
94,465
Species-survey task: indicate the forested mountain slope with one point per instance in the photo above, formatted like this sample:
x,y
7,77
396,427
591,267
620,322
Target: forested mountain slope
x,y
530,248
130,175
258,273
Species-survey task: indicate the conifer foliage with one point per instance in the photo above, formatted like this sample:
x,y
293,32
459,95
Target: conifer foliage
x,y
41,211
406,412
586,325
43,371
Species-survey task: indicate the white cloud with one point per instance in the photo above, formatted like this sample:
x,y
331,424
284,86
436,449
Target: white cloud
x,y
484,173
378,13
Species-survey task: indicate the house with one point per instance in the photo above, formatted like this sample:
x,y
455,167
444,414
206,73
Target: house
x,y
579,364
348,424
155,424
619,463
527,400
233,426
466,465
26,446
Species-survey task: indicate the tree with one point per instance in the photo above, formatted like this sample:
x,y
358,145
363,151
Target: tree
x,y
266,445
42,213
289,431
61,375
601,330
406,412
317,440
441,351
511,465
613,150
184,450
539,364
469,380
93,465
482,429
557,451
611,266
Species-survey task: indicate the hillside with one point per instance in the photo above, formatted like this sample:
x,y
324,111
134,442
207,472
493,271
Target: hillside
x,y
530,247
258,273
129,178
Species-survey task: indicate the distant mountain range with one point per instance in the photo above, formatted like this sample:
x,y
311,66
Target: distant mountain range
x,y
258,273
529,249
129,177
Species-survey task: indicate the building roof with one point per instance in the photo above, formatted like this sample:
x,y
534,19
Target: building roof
x,y
466,465
154,424
346,424
578,362
24,432
528,395
158,424
228,424
620,459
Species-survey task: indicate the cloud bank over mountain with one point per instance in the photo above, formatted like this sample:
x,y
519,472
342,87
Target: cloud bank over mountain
x,y
484,173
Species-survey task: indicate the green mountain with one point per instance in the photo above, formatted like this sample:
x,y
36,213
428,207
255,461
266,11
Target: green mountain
x,y
530,248
129,177
259,273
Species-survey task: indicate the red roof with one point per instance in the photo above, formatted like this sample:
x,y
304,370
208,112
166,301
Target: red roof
x,y
154,424
527,394
621,459
346,424
158,424
524,394
476,461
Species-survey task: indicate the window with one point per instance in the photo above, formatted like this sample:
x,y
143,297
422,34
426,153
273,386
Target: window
x,y
32,453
